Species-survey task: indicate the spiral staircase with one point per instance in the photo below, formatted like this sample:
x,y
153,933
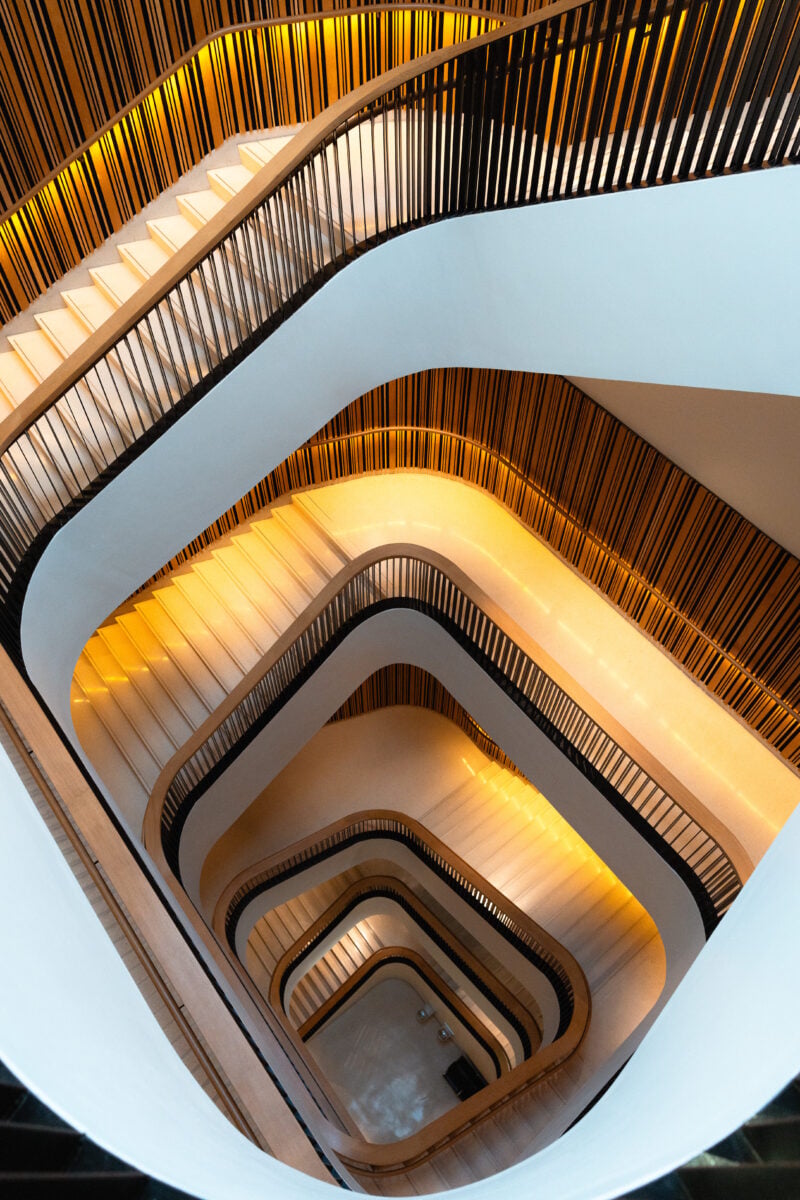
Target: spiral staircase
x,y
556,105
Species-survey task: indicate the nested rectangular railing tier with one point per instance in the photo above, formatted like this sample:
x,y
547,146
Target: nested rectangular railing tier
x,y
383,887
579,99
532,942
406,581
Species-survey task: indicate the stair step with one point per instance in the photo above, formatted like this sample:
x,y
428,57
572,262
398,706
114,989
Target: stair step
x,y
171,232
17,381
291,595
200,207
145,257
90,305
11,1096
775,1140
218,618
110,762
255,155
227,181
177,647
36,1147
742,1181
37,352
137,711
319,550
240,568
65,330
234,600
126,737
117,281
175,682
280,540
147,683
190,628
98,1185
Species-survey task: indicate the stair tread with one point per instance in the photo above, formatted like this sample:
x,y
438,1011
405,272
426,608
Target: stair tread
x,y
171,232
37,352
178,647
199,207
17,381
64,328
163,668
117,281
231,179
145,256
90,305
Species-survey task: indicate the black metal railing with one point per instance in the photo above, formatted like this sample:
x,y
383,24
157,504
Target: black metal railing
x,y
425,972
405,581
395,828
306,946
606,96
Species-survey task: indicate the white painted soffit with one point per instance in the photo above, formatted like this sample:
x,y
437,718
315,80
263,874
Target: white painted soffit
x,y
743,446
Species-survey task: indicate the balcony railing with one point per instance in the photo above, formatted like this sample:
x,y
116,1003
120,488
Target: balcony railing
x,y
496,996
579,99
407,581
527,938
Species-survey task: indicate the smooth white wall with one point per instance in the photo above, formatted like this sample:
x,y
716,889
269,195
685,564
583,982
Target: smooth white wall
x,y
692,284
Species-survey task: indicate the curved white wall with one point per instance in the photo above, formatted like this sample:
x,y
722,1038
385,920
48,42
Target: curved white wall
x,y
106,1066
563,288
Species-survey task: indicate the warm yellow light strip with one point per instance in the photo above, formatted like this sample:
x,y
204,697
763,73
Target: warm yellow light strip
x,y
28,238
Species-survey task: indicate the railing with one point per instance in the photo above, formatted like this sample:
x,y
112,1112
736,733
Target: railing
x,y
521,933
368,1158
407,581
581,98
498,997
392,957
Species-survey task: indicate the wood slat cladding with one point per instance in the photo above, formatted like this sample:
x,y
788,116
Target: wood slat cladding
x,y
715,592
66,71
402,683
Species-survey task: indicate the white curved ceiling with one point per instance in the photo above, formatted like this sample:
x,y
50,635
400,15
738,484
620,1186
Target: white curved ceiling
x,y
744,446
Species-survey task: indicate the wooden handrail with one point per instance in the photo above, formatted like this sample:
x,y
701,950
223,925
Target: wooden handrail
x,y
389,955
300,849
228,1101
365,888
167,75
267,180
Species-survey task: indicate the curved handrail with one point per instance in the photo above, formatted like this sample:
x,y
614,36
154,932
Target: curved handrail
x,y
408,580
381,887
392,956
364,1156
168,76
562,104
523,934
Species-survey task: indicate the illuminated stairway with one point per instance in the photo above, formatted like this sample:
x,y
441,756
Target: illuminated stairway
x,y
149,677
279,928
63,328
508,833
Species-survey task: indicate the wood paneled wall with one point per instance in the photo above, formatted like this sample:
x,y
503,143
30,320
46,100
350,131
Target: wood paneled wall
x,y
402,683
698,578
68,69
